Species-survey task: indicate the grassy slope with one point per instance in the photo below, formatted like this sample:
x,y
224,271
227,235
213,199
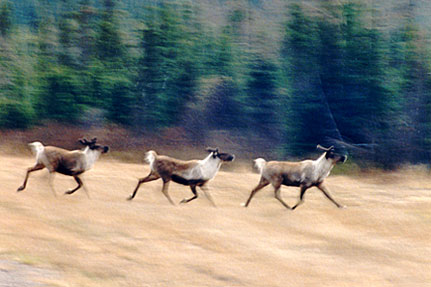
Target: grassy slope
x,y
381,239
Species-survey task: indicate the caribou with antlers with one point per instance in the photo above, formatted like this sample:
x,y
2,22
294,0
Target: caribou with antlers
x,y
192,173
72,163
304,174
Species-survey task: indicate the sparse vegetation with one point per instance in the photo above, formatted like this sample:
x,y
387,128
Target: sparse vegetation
x,y
109,241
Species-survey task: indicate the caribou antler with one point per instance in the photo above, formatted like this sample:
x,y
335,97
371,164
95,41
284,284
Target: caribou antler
x,y
324,148
210,149
84,141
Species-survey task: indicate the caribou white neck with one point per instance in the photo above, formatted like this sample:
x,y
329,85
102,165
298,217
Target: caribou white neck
x,y
91,156
209,166
323,166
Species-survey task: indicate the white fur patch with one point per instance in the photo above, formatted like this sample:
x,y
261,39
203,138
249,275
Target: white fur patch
x,y
260,163
206,169
150,157
90,156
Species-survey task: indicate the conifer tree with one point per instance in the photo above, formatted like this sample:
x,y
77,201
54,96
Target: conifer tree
x,y
414,89
167,70
5,18
15,109
300,54
263,117
109,44
110,74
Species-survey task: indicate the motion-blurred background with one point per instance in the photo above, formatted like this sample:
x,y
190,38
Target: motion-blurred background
x,y
256,77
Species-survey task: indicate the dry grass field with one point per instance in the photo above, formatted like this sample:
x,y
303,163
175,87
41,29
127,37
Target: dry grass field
x,y
383,238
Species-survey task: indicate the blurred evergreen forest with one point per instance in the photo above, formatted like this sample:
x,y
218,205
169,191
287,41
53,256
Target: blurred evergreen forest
x,y
290,74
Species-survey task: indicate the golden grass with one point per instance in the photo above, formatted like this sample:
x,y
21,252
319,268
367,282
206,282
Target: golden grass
x,y
381,239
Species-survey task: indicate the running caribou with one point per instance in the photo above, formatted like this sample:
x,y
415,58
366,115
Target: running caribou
x,y
192,173
304,174
66,162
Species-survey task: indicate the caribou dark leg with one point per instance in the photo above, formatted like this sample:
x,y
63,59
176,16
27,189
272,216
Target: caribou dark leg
x,y
29,170
148,178
195,195
326,192
301,196
262,183
79,181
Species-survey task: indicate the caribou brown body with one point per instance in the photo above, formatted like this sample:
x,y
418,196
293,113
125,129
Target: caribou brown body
x,y
194,173
304,174
72,163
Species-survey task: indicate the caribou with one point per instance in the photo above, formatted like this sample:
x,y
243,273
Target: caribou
x,y
303,174
193,173
72,163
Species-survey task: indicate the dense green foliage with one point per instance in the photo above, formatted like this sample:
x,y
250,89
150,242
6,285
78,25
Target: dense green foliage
x,y
328,72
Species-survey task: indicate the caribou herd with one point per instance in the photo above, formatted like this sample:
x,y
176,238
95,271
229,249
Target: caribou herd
x,y
193,173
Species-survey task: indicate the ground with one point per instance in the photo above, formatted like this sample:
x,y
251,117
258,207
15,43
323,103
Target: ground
x,y
382,238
